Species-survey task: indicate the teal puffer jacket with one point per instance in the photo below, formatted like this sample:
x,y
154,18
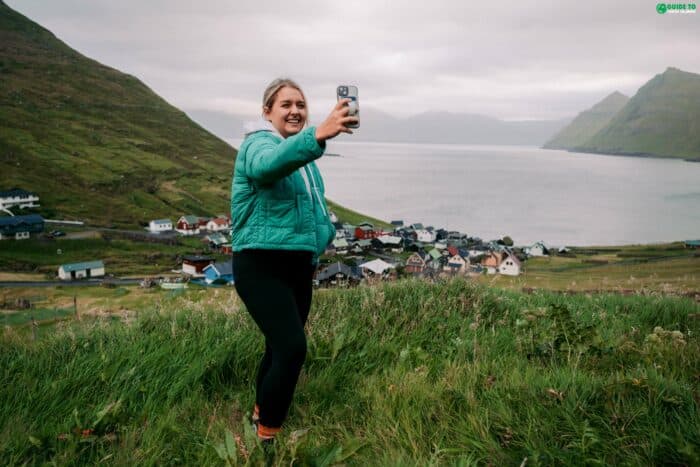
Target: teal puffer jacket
x,y
277,194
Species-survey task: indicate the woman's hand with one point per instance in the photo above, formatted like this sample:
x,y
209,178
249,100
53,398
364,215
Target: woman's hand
x,y
335,122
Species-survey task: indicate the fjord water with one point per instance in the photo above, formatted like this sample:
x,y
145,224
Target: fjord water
x,y
529,193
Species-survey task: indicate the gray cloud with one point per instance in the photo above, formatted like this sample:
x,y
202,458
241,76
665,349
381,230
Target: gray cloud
x,y
509,59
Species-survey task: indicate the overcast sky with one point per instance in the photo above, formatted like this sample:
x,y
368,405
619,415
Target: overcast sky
x,y
510,59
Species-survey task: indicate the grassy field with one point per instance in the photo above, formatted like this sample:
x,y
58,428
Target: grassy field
x,y
664,268
121,257
410,373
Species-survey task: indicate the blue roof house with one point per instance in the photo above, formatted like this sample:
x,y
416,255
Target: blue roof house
x,y
219,273
20,227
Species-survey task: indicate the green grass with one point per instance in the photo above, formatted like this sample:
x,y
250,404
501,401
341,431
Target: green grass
x,y
38,314
660,268
409,373
121,257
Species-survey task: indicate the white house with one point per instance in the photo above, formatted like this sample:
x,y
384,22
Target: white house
x,y
341,246
215,239
217,224
19,198
160,225
538,249
456,264
510,266
84,270
492,261
425,236
391,241
377,267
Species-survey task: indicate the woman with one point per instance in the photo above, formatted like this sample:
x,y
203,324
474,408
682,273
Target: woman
x,y
280,225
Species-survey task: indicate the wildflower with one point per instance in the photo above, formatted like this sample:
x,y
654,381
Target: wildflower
x,y
556,394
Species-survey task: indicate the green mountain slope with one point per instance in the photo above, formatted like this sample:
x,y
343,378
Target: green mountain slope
x,y
662,119
588,123
94,143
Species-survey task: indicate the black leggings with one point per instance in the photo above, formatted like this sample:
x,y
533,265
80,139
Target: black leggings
x,y
275,286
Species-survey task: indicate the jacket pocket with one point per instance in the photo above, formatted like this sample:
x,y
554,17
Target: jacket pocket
x,y
280,213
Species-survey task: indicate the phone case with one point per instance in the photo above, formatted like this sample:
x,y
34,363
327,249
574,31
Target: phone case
x,y
350,92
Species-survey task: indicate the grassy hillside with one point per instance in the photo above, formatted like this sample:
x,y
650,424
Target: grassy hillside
x,y
355,218
652,269
404,374
662,119
588,123
97,144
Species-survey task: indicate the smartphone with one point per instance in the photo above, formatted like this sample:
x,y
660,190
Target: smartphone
x,y
350,92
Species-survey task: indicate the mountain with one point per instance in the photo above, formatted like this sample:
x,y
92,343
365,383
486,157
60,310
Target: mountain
x,y
661,119
588,123
96,144
462,128
427,127
455,128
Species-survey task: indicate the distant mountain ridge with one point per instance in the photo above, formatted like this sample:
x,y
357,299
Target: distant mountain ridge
x,y
97,144
662,119
588,123
427,127
455,128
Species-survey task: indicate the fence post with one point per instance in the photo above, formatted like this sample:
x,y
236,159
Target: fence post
x,y
75,307
35,325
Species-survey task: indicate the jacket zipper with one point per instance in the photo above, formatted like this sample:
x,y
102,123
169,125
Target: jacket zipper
x,y
315,190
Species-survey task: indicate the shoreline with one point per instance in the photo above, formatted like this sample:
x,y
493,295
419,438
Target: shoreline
x,y
622,154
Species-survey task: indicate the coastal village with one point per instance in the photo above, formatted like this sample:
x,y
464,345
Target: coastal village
x,y
359,253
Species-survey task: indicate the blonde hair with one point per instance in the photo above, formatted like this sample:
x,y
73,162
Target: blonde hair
x,y
274,87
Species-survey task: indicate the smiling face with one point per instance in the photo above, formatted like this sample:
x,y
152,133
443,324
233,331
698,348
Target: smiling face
x,y
288,112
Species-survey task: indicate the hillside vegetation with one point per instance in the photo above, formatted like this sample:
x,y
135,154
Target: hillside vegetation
x,y
97,144
662,119
409,373
588,123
